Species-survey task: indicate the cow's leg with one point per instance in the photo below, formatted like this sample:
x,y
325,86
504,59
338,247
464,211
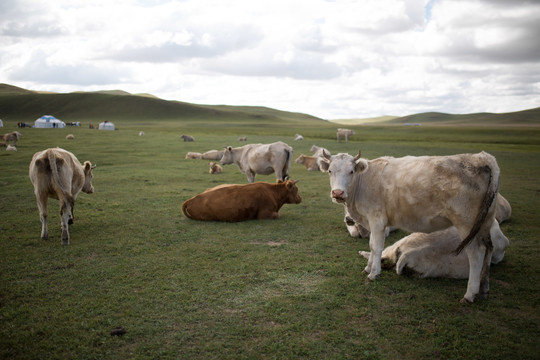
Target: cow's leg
x,y
476,253
376,244
484,275
250,176
66,219
43,214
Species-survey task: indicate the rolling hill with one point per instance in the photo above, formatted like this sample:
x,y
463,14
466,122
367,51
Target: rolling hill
x,y
19,104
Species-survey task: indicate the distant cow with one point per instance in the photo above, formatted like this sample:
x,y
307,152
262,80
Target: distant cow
x,y
193,155
58,174
187,138
432,255
261,159
424,194
11,137
318,151
70,137
242,138
215,168
212,155
298,137
141,133
345,133
232,203
310,162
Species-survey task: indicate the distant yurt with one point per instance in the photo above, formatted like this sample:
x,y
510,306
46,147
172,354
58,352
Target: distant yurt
x,y
49,121
106,125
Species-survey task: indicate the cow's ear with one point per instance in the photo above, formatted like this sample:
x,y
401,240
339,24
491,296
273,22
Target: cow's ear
x,y
324,164
87,166
361,165
229,148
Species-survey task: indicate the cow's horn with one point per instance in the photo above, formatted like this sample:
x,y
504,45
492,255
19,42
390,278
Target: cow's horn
x,y
358,156
296,181
94,166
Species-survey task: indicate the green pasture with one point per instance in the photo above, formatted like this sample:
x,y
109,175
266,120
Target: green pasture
x,y
290,288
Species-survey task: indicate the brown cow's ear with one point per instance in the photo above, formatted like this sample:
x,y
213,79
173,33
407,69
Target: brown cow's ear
x,y
279,181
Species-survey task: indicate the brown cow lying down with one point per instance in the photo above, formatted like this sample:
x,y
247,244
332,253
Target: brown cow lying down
x,y
232,203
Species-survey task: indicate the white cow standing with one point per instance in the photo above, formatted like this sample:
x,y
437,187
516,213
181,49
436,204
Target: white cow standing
x,y
423,194
58,174
261,159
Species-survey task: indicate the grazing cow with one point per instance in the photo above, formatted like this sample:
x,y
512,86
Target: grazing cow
x,y
11,148
310,162
212,155
298,137
187,138
12,137
345,133
261,159
215,168
58,174
70,137
424,194
232,202
141,133
242,138
193,155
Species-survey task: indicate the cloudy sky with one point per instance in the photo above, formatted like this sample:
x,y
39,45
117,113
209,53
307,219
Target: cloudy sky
x,y
332,59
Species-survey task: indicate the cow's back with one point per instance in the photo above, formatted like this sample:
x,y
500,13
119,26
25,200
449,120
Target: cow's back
x,y
229,203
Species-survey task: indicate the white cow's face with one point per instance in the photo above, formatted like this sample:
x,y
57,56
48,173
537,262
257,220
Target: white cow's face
x,y
227,157
342,168
87,186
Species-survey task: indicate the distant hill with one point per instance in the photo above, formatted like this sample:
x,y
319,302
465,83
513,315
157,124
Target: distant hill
x,y
365,121
19,104
525,117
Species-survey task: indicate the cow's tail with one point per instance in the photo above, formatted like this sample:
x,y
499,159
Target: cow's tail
x,y
287,166
492,171
185,210
64,195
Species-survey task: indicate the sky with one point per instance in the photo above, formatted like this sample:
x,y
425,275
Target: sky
x,y
333,59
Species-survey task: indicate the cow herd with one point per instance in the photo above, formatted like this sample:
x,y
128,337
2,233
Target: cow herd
x,y
449,203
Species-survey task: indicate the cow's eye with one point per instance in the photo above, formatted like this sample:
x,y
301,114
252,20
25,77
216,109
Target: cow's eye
x,y
329,171
351,172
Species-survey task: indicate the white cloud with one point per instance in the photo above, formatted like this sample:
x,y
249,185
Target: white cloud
x,y
342,58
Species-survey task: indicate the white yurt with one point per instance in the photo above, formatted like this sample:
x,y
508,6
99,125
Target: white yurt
x,y
49,121
106,125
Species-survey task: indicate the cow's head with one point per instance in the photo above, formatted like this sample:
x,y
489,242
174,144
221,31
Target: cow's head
x,y
292,191
227,157
87,187
341,168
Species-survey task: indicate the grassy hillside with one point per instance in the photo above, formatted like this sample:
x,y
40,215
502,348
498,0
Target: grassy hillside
x,y
22,105
365,121
525,117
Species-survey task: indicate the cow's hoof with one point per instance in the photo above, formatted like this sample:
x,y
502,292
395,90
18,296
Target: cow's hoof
x,y
65,242
465,301
45,237
483,296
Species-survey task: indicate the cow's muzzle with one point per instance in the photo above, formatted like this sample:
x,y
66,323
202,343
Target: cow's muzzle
x,y
338,195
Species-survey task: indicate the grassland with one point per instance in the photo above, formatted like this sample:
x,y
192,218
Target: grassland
x,y
285,289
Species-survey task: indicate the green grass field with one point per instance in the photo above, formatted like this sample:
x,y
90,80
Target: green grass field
x,y
285,289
